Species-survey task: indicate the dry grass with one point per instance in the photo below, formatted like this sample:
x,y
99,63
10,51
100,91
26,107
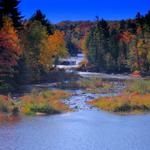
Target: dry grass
x,y
44,102
135,99
7,106
123,104
139,86
93,85
48,102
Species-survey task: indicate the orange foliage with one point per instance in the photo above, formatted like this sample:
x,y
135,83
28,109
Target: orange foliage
x,y
57,43
56,48
52,98
124,103
126,37
9,47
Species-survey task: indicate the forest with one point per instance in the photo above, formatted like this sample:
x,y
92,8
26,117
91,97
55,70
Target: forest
x,y
31,48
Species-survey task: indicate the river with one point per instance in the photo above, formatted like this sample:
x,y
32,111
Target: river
x,y
82,130
85,129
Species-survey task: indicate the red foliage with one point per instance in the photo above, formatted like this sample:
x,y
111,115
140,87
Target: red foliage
x,y
9,48
136,74
126,37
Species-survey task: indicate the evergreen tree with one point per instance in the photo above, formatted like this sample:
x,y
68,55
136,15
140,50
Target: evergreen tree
x,y
122,26
10,8
99,44
147,20
34,39
114,47
39,16
140,20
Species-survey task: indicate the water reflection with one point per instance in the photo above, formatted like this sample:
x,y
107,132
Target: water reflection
x,y
9,119
83,130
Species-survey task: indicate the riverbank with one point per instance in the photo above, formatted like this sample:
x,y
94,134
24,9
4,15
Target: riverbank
x,y
50,78
119,95
135,99
45,102
86,89
53,98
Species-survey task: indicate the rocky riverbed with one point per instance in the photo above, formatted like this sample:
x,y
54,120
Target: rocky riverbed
x,y
80,97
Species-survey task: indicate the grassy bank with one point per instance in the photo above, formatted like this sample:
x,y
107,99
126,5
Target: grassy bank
x,y
92,85
135,99
37,103
47,102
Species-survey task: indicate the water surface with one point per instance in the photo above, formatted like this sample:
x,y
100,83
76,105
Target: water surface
x,y
83,130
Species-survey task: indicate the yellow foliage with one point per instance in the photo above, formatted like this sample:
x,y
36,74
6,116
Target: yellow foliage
x,y
83,44
45,98
56,47
123,104
9,33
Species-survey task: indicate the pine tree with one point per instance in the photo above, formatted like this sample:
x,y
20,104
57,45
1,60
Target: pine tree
x,y
39,16
99,44
34,39
10,8
147,20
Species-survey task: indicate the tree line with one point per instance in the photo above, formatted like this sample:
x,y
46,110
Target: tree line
x,y
28,48
121,46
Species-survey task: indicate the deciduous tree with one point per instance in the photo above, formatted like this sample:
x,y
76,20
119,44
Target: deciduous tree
x,y
56,48
9,49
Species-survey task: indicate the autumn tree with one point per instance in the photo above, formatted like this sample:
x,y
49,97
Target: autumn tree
x,y
9,50
56,49
34,40
10,8
139,55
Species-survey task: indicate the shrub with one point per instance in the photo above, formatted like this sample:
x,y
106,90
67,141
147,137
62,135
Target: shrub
x,y
124,103
46,101
44,109
139,86
47,94
7,105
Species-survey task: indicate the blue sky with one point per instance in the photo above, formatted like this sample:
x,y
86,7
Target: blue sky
x,y
59,10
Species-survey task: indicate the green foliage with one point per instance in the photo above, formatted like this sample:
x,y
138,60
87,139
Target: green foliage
x,y
39,16
124,104
139,54
94,85
8,106
139,86
34,40
120,46
135,99
47,102
98,44
47,94
10,9
74,33
47,109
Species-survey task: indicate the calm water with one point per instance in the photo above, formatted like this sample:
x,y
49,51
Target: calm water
x,y
83,130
